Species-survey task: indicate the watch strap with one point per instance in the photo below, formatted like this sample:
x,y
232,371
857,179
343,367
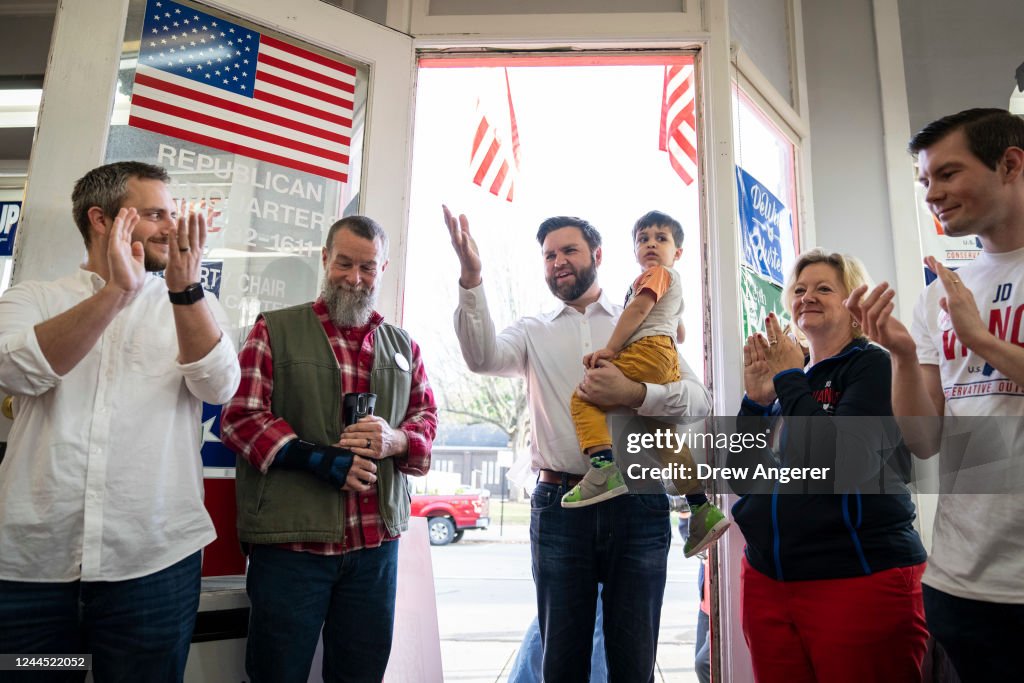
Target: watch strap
x,y
193,293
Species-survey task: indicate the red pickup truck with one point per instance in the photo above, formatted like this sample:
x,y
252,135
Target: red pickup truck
x,y
449,515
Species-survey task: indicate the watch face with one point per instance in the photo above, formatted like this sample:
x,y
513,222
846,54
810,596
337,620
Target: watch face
x,y
190,295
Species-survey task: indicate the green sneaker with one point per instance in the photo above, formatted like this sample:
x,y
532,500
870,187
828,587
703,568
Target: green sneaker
x,y
707,524
601,482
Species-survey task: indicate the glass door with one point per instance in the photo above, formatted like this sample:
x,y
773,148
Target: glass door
x,y
264,112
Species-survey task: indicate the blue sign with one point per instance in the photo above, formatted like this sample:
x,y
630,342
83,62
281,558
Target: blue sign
x,y
210,276
215,453
210,273
763,220
10,212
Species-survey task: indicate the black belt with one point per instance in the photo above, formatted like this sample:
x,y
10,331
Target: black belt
x,y
564,479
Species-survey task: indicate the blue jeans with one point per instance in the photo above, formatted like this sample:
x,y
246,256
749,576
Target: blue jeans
x,y
982,639
294,594
622,543
702,649
136,630
527,666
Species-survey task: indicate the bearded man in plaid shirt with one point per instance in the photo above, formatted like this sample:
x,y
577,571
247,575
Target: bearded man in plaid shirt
x,y
320,504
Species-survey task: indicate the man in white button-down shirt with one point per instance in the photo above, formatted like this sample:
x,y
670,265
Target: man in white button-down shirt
x,y
621,544
101,511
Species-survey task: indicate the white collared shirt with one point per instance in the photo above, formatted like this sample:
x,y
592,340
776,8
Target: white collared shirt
x,y
547,350
102,480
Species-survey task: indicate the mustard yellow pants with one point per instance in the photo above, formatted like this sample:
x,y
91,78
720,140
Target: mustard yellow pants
x,y
653,360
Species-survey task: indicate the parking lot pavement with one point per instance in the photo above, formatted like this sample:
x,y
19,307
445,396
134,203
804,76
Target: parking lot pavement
x,y
485,601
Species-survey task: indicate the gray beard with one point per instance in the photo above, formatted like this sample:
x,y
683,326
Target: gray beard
x,y
348,307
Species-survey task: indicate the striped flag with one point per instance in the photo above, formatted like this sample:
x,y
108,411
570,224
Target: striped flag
x,y
679,122
203,79
493,163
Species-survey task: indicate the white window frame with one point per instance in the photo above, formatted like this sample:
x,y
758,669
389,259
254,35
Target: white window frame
x,y
425,25
793,121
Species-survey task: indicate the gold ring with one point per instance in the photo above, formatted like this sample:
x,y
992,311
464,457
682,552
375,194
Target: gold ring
x,y
773,342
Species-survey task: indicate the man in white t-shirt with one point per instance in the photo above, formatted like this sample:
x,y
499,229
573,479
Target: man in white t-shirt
x,y
965,357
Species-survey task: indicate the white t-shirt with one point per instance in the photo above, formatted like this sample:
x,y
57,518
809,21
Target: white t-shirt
x,y
978,541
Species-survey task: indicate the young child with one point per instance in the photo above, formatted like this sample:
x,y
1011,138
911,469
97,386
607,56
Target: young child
x,y
643,347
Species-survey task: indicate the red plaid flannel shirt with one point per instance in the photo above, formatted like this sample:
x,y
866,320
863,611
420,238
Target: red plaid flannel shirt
x,y
252,431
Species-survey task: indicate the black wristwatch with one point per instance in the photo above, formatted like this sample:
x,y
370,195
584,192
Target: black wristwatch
x,y
193,293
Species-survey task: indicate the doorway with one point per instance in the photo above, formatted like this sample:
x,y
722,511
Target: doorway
x,y
510,140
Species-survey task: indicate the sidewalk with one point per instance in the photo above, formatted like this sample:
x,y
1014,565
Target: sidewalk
x,y
485,601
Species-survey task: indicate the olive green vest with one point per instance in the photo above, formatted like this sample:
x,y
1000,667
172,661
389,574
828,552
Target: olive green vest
x,y
287,506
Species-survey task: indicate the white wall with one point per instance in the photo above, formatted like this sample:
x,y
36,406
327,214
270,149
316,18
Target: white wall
x,y
761,27
457,7
959,55
851,212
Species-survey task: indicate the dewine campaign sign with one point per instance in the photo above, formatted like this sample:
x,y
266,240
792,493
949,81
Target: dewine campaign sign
x,y
763,219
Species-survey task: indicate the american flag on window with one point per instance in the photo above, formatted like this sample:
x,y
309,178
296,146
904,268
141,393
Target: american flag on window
x,y
494,162
679,122
209,81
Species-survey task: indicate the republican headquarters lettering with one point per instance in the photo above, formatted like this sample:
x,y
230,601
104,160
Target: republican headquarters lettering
x,y
262,208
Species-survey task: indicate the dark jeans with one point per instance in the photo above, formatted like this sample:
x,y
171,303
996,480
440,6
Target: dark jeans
x,y
982,639
526,668
621,543
136,630
294,594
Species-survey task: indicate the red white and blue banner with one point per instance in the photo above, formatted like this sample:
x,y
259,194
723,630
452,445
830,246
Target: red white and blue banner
x,y
763,221
207,80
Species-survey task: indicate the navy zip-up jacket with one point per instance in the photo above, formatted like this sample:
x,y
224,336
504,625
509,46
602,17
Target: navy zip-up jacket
x,y
795,534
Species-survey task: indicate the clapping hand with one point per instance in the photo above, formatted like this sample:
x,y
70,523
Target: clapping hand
x,y
763,358
783,352
757,374
874,315
125,258
959,304
185,243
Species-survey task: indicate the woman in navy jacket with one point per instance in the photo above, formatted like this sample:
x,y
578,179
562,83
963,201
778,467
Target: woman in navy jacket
x,y
831,580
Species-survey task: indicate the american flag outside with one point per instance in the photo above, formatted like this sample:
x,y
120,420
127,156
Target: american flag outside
x,y
209,81
494,162
679,122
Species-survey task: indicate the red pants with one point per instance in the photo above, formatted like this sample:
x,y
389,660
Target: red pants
x,y
867,629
